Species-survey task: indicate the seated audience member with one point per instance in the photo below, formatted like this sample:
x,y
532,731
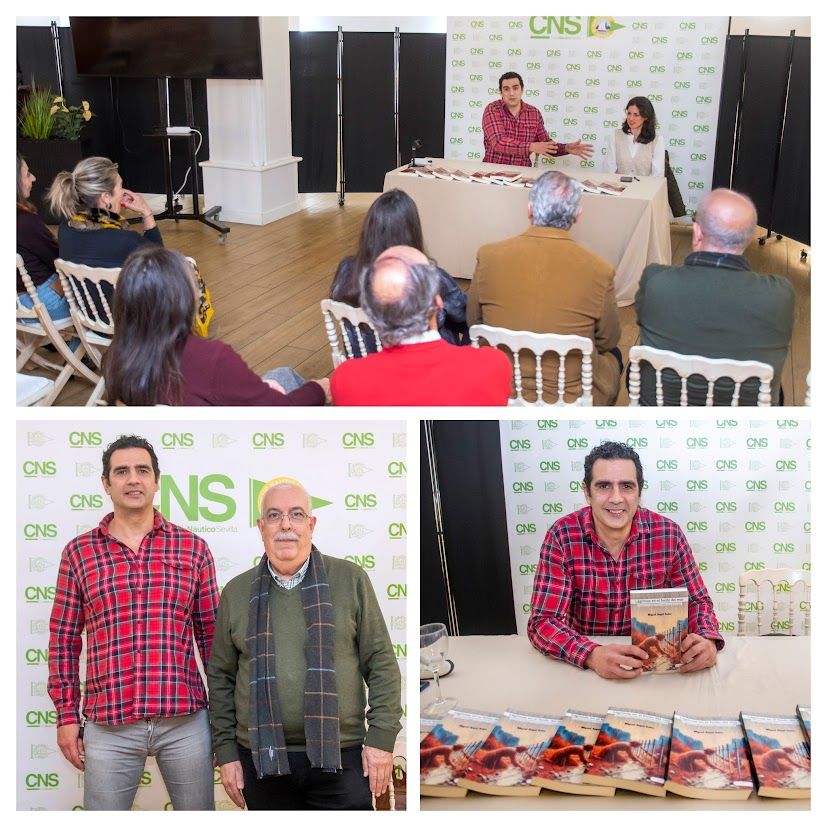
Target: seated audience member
x,y
400,294
38,248
592,557
392,221
634,148
713,305
89,200
543,281
155,358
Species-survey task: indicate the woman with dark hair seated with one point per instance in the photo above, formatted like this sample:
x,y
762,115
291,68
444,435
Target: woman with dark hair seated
x,y
635,148
155,358
393,220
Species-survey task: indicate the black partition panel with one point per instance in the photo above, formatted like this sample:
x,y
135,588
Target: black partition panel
x,y
313,108
367,103
761,65
469,474
422,94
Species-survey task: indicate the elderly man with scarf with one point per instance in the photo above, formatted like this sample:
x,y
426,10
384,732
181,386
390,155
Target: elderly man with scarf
x,y
297,638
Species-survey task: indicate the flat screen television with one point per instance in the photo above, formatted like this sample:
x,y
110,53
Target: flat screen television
x,y
174,47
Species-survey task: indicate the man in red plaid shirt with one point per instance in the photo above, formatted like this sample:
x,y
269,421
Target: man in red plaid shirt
x,y
591,558
513,129
142,589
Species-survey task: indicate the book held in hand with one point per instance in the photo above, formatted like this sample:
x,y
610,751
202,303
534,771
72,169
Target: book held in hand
x,y
780,754
446,749
631,752
708,759
507,760
660,622
562,765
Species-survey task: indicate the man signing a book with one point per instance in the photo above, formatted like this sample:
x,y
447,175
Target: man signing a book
x,y
589,561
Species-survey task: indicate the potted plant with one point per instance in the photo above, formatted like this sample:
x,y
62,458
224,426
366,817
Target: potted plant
x,y
50,139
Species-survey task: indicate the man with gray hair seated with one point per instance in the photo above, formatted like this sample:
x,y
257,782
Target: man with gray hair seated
x,y
400,295
545,282
713,305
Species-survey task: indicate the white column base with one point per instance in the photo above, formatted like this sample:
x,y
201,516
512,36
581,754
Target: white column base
x,y
251,194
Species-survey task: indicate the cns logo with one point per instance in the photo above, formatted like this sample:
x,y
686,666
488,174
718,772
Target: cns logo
x,y
397,469
364,561
396,591
177,440
86,502
358,440
33,469
39,531
548,27
41,718
42,781
360,502
198,498
397,531
263,440
85,439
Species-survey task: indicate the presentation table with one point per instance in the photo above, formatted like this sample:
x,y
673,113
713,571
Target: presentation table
x,y
493,673
629,230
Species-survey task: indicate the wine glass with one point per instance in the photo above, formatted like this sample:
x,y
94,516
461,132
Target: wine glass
x,y
433,647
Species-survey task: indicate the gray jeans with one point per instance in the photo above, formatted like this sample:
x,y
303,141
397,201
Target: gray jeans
x,y
286,377
115,758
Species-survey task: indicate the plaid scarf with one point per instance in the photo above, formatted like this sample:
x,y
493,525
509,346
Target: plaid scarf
x,y
96,219
321,703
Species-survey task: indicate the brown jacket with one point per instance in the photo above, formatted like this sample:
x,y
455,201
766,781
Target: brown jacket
x,y
545,282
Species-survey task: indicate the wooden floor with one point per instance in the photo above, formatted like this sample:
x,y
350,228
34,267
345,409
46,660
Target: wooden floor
x,y
267,282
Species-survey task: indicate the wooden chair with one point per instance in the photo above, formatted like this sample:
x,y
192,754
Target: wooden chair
x,y
36,328
91,313
540,344
685,366
335,313
787,604
807,392
33,390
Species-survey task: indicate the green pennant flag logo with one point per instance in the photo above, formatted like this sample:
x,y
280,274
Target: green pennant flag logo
x,y
603,26
257,486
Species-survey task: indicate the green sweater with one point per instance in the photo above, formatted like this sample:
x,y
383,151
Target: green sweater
x,y
362,655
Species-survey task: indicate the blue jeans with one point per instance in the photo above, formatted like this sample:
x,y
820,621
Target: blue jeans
x,y
56,305
286,377
115,758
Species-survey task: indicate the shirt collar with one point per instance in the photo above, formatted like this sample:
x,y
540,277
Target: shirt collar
x,y
707,258
419,338
641,523
292,581
159,523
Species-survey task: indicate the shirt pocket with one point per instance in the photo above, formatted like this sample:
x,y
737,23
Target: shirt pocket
x,y
172,582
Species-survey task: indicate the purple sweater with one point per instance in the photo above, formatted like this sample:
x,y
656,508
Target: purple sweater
x,y
37,246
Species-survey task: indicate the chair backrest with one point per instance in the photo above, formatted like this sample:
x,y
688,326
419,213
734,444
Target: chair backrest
x,y
685,366
89,303
779,600
24,312
540,344
33,390
807,392
335,314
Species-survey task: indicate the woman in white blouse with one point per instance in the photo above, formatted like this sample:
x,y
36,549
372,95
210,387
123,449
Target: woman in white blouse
x,y
634,149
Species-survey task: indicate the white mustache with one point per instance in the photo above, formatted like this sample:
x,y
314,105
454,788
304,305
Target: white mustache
x,y
286,535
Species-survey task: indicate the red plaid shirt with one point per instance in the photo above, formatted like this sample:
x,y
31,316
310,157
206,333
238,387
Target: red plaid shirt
x,y
580,590
139,612
507,138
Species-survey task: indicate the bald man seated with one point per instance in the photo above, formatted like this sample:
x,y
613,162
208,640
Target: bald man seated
x,y
715,306
400,295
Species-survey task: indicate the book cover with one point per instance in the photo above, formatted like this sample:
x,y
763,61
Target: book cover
x,y
708,758
780,754
803,713
445,750
660,622
507,760
441,172
562,765
631,752
459,175
604,187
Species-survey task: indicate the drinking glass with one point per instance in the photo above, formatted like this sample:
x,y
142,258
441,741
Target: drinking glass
x,y
433,647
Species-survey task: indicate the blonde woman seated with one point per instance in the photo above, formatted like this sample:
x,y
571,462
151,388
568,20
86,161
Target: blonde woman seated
x,y
634,148
155,358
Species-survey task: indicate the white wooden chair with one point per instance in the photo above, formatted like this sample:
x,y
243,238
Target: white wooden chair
x,y
335,313
686,366
33,390
36,328
781,594
83,288
807,392
540,344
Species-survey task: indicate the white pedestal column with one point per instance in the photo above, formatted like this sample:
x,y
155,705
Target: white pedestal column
x,y
252,172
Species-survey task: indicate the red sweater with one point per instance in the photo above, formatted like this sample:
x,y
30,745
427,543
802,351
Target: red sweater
x,y
430,373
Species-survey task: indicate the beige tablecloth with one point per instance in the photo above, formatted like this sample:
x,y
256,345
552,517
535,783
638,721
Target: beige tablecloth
x,y
767,674
629,230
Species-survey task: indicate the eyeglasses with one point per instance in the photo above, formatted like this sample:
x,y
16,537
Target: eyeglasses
x,y
295,515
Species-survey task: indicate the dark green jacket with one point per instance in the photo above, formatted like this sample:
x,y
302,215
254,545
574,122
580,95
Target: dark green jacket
x,y
362,654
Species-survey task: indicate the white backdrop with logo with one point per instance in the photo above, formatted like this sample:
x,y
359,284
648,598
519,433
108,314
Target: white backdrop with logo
x,y
739,489
211,474
581,71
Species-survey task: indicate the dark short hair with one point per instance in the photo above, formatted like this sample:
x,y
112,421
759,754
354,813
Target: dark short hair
x,y
129,441
611,450
510,76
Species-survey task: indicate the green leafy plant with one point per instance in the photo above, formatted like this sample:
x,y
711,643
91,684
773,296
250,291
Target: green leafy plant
x,y
35,116
69,120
